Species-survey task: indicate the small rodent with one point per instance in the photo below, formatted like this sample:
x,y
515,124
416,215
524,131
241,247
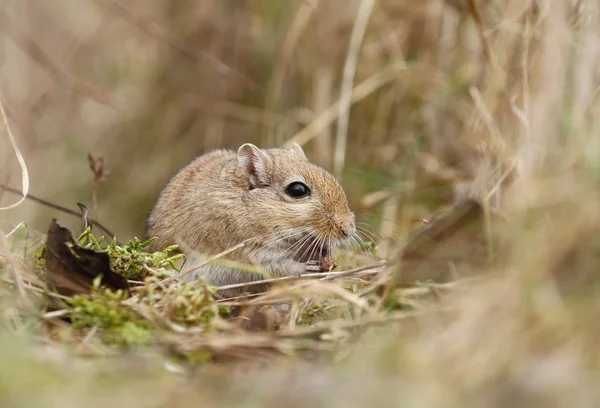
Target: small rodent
x,y
287,210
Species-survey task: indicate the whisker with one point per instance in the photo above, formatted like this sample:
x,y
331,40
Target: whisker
x,y
286,231
319,245
296,246
356,239
364,238
311,247
373,236
355,243
279,236
322,246
394,236
308,249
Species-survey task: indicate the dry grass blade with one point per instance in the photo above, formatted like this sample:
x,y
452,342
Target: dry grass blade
x,y
192,268
373,268
20,159
360,91
245,346
474,8
377,320
15,267
499,100
288,341
288,46
358,31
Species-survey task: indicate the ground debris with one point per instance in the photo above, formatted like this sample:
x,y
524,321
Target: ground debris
x,y
310,315
72,269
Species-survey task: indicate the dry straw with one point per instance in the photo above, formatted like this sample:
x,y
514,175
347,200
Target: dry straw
x,y
19,155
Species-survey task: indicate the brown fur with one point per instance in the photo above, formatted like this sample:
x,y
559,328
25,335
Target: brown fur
x,y
222,199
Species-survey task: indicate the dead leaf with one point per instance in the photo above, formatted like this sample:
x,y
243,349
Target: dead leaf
x,y
72,269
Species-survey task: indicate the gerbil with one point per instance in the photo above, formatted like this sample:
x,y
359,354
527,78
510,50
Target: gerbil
x,y
285,209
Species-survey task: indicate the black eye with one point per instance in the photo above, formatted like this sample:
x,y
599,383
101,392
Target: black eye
x,y
297,190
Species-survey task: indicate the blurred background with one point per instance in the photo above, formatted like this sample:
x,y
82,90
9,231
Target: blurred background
x,y
412,104
147,85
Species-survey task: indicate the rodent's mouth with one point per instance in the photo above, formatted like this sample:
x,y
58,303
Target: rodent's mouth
x,y
312,250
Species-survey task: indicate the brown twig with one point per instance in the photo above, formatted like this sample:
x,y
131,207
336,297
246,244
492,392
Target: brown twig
x,y
59,208
343,324
6,180
322,275
306,338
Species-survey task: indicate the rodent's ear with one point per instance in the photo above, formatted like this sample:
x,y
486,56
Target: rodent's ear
x,y
253,160
295,147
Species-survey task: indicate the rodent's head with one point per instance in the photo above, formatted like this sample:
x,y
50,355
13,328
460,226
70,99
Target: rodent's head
x,y
296,198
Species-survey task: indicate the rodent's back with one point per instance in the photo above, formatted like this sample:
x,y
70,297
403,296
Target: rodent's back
x,y
191,196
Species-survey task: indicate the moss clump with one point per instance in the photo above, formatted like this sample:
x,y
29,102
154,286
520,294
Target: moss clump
x,y
186,303
104,309
39,259
314,313
131,259
152,308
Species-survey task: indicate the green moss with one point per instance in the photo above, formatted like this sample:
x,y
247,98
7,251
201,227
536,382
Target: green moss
x,y
119,324
39,258
315,313
114,313
185,303
131,259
